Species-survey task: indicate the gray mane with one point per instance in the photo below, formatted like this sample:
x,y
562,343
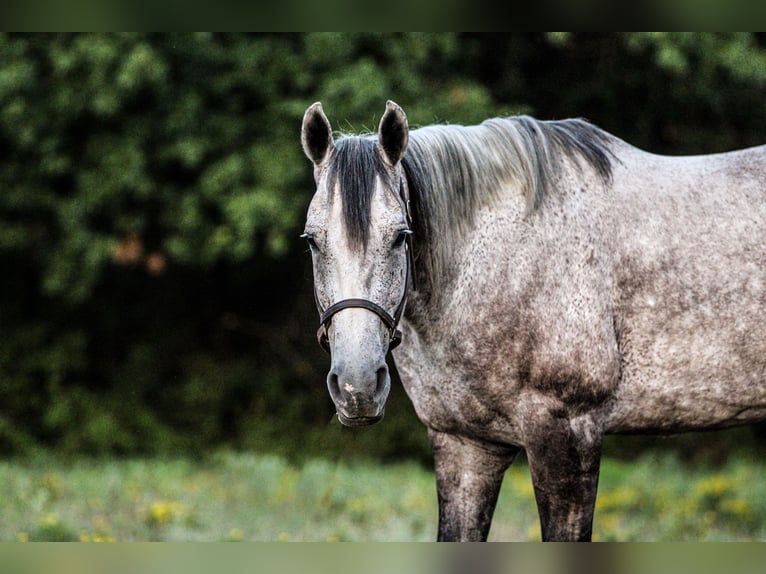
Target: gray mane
x,y
453,170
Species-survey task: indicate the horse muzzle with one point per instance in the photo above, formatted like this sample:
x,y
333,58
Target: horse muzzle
x,y
359,397
360,421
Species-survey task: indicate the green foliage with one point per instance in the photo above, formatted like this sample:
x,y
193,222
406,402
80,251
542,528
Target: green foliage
x,y
701,56
236,496
225,497
155,296
659,498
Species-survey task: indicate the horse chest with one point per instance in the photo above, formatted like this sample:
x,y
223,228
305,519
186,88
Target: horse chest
x,y
468,374
478,397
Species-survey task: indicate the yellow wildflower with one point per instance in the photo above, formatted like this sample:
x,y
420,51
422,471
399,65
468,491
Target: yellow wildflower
x,y
235,535
164,512
49,520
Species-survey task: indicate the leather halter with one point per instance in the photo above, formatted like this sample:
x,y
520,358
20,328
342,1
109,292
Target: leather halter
x,y
391,321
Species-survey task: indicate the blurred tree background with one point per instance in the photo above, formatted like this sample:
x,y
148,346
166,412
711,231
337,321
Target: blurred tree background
x,y
154,294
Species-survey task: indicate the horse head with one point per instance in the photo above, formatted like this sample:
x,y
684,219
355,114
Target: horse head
x,y
357,228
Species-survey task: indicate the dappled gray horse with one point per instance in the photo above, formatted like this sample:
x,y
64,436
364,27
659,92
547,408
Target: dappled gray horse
x,y
559,284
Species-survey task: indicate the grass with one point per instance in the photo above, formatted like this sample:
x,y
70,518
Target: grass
x,y
236,496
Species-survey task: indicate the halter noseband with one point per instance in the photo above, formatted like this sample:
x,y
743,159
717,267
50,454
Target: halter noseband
x,y
391,321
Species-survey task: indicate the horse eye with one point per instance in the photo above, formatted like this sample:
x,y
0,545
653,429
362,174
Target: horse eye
x,y
401,236
310,240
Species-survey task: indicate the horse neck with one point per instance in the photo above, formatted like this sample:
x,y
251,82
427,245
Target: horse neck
x,y
515,164
450,177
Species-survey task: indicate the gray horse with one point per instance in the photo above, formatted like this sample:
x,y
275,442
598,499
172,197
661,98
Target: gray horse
x,y
559,285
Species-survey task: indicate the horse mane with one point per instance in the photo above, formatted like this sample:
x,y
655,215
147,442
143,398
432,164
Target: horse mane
x,y
452,171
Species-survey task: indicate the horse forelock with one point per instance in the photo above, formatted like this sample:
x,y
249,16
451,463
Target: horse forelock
x,y
354,169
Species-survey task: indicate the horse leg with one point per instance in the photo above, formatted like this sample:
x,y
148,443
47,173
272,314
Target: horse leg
x,y
468,478
564,456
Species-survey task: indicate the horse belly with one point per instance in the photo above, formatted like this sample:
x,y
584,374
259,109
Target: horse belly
x,y
692,338
680,381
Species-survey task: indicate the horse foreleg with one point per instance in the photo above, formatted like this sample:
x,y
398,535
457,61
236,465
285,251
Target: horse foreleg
x,y
564,456
468,478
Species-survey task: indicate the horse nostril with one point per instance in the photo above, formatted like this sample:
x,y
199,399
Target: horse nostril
x,y
333,386
382,381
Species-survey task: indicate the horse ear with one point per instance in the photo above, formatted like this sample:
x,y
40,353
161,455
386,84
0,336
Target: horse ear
x,y
393,133
316,134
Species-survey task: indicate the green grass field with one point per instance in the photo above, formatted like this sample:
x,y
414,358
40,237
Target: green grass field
x,y
234,496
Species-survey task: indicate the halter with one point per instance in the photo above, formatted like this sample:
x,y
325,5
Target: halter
x,y
391,321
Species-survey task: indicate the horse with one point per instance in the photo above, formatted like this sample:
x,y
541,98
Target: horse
x,y
549,284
